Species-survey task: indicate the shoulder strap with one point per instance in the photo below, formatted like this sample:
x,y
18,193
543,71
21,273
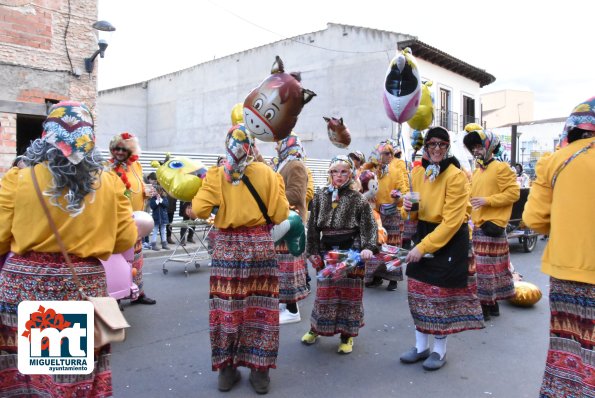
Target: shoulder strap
x,y
56,233
259,201
570,159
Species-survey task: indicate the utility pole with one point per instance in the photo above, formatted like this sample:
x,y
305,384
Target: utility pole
x,y
513,144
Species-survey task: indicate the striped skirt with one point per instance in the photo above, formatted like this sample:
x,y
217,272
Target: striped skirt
x,y
137,264
394,226
244,299
292,276
338,307
441,310
45,276
494,279
376,268
570,364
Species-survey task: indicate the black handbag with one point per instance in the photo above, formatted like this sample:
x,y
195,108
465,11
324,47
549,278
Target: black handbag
x,y
492,230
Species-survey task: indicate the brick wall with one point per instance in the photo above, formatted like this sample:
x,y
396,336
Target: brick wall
x,y
37,62
8,140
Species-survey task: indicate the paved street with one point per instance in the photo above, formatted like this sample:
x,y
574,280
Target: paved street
x,y
167,351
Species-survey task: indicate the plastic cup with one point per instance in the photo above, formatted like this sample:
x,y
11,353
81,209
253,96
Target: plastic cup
x,y
414,199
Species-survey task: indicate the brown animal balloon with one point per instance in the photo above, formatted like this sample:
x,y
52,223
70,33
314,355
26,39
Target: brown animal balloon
x,y
272,108
338,133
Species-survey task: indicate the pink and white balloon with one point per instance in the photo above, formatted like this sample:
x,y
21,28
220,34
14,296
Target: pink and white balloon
x,y
402,87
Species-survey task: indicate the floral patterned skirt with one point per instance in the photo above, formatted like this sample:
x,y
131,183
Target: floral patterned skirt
x,y
45,276
244,299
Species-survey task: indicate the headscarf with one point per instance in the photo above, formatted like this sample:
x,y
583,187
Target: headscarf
x,y
289,148
340,159
433,170
582,117
359,155
378,149
488,140
238,144
69,127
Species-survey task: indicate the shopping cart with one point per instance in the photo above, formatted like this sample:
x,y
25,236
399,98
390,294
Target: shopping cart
x,y
202,230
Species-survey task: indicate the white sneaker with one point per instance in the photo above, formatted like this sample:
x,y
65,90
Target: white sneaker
x,y
282,307
287,317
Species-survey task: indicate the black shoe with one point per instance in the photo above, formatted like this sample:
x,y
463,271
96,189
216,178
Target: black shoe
x,y
375,282
190,240
485,309
144,300
495,310
392,286
170,240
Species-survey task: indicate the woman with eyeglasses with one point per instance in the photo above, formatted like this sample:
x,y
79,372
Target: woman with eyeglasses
x,y
124,163
494,190
391,187
441,300
341,218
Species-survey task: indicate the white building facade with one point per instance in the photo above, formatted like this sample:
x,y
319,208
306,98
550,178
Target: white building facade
x,y
189,110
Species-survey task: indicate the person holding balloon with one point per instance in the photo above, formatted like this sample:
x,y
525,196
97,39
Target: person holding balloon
x,y
561,204
94,219
292,269
341,218
440,299
124,163
244,282
391,188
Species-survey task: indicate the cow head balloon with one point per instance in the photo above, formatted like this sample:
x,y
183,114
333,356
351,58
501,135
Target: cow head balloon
x,y
402,87
272,108
337,132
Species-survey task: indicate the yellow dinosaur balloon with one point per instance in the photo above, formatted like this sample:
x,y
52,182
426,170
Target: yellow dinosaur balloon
x,y
180,177
425,111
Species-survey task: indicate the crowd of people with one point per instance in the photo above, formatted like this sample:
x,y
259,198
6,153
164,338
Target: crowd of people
x,y
457,259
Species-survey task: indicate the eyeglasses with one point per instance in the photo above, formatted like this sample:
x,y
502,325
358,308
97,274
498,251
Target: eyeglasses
x,y
437,144
120,149
342,173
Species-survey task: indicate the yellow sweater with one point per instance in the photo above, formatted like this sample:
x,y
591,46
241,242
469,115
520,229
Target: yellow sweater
x,y
237,206
104,227
497,184
392,180
443,201
310,188
566,213
399,166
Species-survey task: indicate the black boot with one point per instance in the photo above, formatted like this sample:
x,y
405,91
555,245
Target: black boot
x,y
260,381
495,309
485,309
392,286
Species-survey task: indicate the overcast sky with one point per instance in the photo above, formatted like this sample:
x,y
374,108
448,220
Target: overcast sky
x,y
542,47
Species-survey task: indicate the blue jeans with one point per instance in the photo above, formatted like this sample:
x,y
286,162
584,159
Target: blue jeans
x,y
159,228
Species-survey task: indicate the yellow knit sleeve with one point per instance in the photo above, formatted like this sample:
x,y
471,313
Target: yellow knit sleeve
x,y
453,214
510,190
7,192
209,195
537,212
310,188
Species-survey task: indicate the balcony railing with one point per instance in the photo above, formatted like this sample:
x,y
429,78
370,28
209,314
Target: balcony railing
x,y
450,120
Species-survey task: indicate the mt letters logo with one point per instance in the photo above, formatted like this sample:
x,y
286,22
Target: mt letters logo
x,y
55,337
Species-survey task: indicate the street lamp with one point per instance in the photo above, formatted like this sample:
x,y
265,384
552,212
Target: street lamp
x,y
102,26
523,156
